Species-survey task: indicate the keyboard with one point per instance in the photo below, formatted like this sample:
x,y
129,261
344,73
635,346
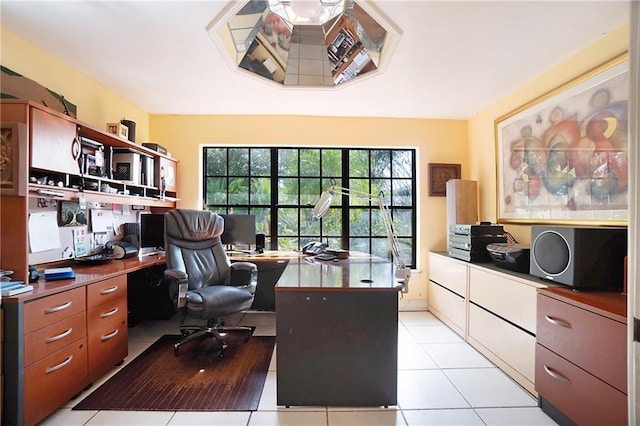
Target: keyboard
x,y
96,258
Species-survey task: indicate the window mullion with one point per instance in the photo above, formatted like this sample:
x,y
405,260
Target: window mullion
x,y
275,175
345,209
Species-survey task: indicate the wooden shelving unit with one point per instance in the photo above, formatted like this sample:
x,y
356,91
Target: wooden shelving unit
x,y
48,166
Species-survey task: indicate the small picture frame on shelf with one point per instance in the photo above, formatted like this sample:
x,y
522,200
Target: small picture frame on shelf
x,y
118,129
439,174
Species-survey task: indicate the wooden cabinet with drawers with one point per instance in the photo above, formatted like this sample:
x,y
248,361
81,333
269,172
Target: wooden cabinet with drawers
x,y
581,356
54,345
59,343
106,325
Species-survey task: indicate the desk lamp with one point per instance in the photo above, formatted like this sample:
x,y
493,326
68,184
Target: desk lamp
x,y
322,206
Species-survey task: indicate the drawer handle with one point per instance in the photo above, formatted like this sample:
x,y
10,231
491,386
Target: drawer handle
x,y
556,375
59,336
109,290
110,335
59,366
58,308
108,314
556,321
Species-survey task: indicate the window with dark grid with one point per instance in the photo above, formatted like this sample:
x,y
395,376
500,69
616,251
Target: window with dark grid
x,y
280,186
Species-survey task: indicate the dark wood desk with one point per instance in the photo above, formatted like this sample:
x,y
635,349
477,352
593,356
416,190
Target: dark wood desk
x,y
337,333
271,265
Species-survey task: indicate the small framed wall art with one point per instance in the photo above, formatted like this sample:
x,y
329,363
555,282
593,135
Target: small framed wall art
x,y
439,174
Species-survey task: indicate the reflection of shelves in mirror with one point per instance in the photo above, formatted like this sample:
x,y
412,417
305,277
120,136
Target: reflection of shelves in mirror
x,y
353,69
355,62
341,49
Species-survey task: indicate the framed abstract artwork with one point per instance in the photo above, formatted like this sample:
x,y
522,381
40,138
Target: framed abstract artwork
x,y
439,174
563,157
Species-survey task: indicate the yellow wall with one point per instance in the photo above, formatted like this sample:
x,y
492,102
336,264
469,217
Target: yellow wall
x,y
436,141
96,104
481,131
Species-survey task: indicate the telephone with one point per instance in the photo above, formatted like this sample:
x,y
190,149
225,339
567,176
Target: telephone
x,y
314,247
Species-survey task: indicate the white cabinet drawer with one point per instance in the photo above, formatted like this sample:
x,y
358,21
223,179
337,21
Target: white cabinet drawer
x,y
509,344
448,273
506,297
448,307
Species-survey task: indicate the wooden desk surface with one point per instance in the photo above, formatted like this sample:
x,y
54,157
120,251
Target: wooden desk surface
x,y
357,273
86,274
609,304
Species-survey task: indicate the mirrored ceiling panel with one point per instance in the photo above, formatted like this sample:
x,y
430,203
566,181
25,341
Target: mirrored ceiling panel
x,y
302,43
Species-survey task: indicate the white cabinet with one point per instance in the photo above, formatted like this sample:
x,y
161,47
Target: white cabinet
x,y
493,309
447,291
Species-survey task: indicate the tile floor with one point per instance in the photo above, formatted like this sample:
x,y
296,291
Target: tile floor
x,y
441,381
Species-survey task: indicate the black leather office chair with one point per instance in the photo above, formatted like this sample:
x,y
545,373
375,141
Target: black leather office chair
x,y
204,283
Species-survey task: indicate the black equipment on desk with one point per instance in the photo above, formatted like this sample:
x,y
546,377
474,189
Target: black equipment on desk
x,y
468,242
122,249
583,257
314,248
514,257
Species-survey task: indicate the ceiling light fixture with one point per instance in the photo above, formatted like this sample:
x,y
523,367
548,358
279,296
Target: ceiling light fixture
x,y
306,8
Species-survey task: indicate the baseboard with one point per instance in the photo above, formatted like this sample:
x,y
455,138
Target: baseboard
x,y
412,305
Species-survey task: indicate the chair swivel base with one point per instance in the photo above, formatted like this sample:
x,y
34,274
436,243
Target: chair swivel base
x,y
192,332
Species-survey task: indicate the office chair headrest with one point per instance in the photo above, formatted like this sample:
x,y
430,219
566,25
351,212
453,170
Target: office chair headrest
x,y
193,225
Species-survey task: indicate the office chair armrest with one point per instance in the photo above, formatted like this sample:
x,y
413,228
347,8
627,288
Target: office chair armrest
x,y
175,274
178,286
244,274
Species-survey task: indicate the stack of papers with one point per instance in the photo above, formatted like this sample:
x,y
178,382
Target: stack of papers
x,y
11,288
53,274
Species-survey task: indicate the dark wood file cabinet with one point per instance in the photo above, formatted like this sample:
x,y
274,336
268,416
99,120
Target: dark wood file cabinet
x,y
581,352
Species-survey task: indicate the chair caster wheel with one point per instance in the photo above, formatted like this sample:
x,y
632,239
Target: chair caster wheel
x,y
221,354
176,350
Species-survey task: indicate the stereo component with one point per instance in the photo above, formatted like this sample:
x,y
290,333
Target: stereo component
x,y
586,257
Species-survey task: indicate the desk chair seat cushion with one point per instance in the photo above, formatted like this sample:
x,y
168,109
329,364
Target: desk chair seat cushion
x,y
217,301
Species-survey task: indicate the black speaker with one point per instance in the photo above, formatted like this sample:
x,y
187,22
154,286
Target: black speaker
x,y
260,242
581,257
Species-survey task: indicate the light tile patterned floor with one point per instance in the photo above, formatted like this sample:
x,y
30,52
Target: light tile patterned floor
x,y
441,381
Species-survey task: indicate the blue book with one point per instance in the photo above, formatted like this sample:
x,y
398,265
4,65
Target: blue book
x,y
10,284
16,289
53,274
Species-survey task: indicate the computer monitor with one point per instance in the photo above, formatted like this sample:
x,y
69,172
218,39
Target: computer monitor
x,y
152,231
239,229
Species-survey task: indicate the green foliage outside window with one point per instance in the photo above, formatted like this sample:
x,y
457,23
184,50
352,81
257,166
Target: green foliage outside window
x,y
240,180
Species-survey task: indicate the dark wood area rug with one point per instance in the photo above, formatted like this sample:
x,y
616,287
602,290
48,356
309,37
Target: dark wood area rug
x,y
195,380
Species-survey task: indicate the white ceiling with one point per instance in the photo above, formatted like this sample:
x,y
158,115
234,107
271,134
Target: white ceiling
x,y
453,59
